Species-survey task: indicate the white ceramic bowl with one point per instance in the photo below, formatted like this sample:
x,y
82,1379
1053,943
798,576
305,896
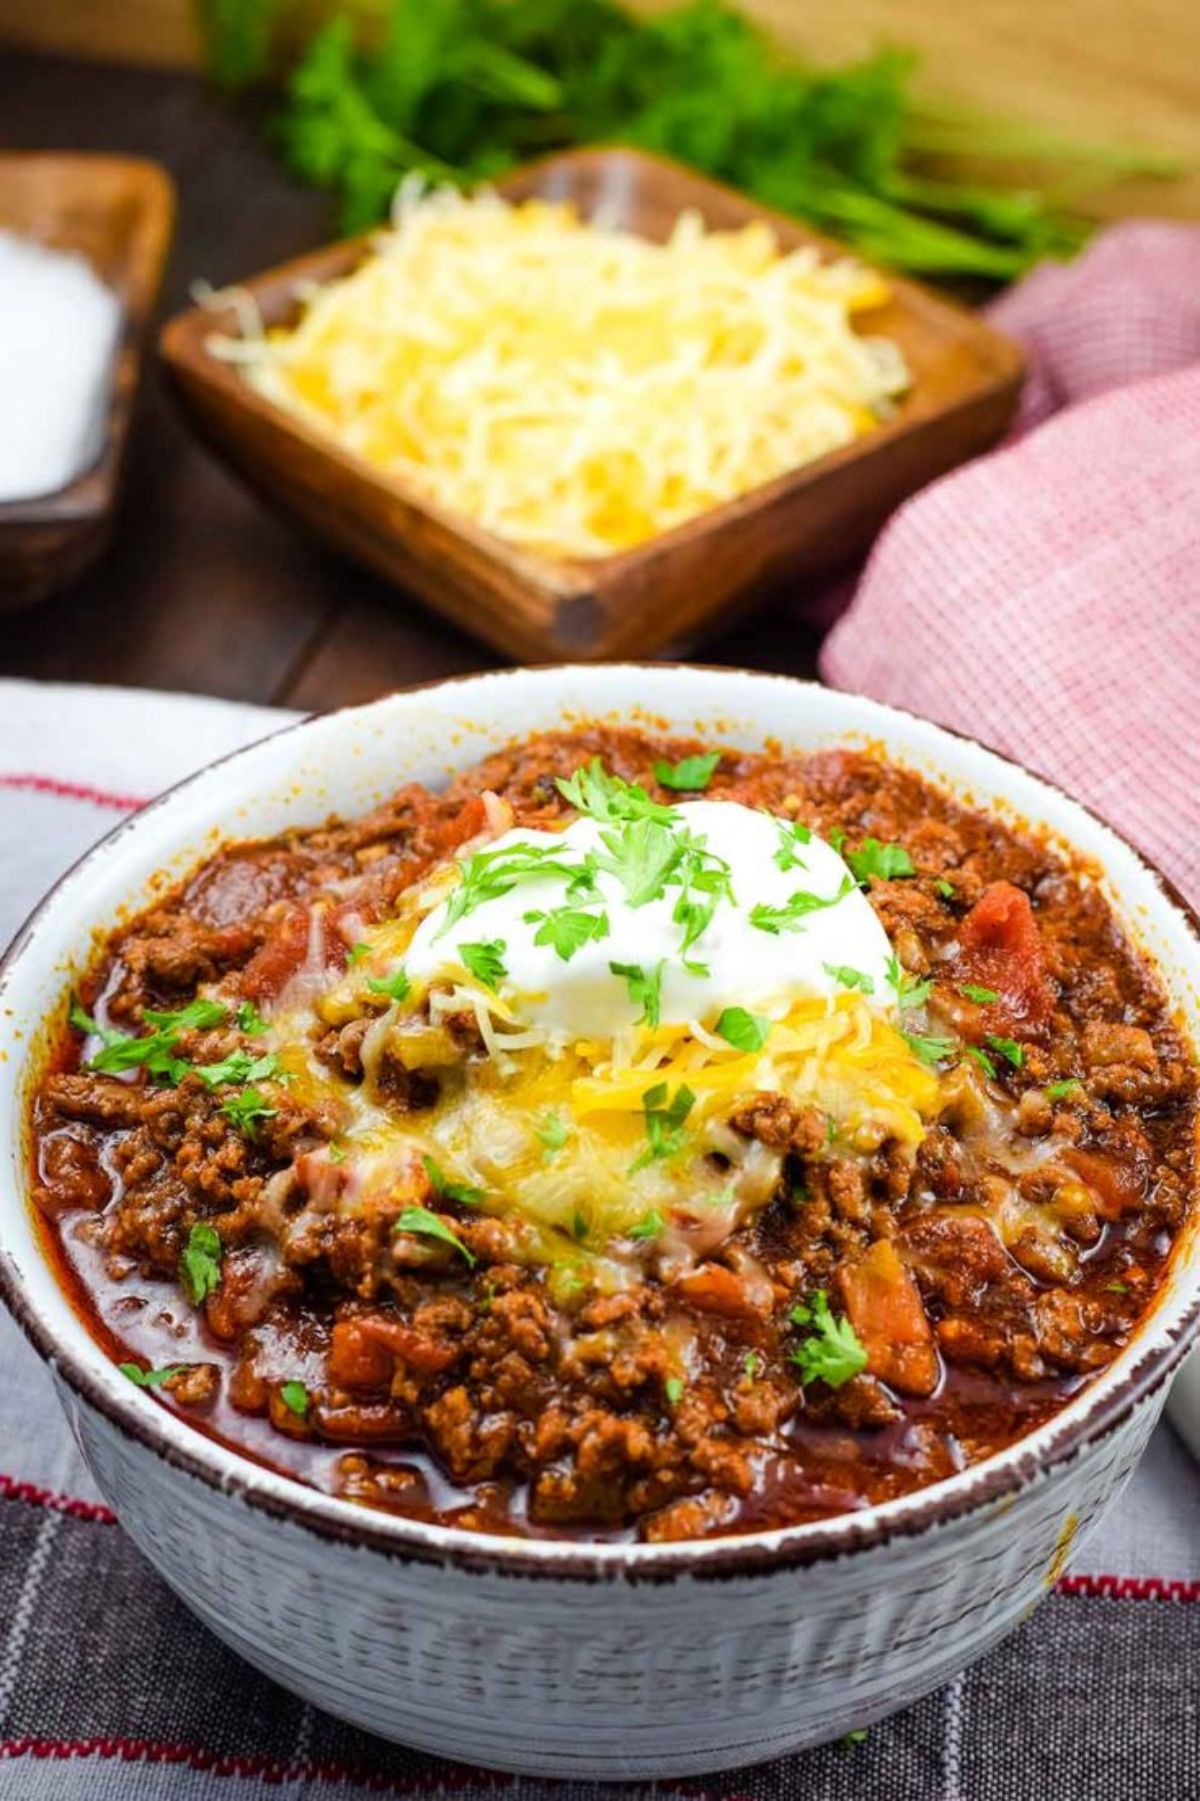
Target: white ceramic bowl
x,y
560,1658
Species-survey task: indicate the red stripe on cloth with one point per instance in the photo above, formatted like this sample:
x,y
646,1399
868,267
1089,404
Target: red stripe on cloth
x,y
95,797
266,1769
272,1770
12,1490
1130,1588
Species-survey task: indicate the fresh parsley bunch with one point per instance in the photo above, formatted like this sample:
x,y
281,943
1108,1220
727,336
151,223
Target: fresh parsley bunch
x,y
460,90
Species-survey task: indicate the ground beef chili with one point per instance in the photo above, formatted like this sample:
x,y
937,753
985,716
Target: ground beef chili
x,y
982,1276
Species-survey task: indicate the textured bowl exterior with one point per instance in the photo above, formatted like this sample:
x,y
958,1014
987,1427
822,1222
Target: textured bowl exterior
x,y
615,1661
606,1678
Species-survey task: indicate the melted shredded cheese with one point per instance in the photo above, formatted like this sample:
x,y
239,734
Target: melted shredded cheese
x,y
487,1126
839,1056
574,389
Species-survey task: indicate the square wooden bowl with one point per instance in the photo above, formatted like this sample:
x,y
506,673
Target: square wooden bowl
x,y
117,212
536,608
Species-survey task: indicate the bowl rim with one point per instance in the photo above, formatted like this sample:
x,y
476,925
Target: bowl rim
x,y
1090,1416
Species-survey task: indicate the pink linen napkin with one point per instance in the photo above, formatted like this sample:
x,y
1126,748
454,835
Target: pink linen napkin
x,y
1046,597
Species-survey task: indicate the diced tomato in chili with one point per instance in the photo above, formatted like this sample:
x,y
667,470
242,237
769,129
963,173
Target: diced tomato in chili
x,y
357,1357
466,824
1001,948
885,1308
298,937
278,957
1118,1187
363,1352
714,1289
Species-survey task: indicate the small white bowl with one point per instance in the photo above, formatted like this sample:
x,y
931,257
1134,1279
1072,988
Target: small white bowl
x,y
561,1658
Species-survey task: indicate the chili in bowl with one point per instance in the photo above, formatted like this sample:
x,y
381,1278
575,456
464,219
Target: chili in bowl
x,y
724,1166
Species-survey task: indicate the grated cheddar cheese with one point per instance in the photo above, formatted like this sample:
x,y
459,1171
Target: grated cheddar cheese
x,y
575,389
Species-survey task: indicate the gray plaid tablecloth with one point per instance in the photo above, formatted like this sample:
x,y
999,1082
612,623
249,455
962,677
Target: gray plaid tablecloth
x,y
109,1690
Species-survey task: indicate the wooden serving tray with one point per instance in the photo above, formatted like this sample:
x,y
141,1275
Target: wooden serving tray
x,y
966,379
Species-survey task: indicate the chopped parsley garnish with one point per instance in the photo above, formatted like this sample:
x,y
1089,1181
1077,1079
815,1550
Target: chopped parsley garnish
x,y
294,1396
357,952
944,888
651,1225
743,1030
81,1019
553,1132
395,987
857,1736
579,1225
983,997
154,1051
249,1020
337,1153
791,835
567,929
450,1191
427,1225
581,880
200,1263
910,991
1116,1287
673,1388
751,1364
1008,1048
643,855
592,790
705,880
691,775
927,1049
664,1123
198,1016
984,1061
488,874
831,1352
886,862
149,1378
850,978
84,1022
645,989
246,1109
485,961
792,915
1058,1091
239,1066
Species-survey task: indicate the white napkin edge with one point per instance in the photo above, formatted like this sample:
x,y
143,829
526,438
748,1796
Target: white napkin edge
x,y
131,742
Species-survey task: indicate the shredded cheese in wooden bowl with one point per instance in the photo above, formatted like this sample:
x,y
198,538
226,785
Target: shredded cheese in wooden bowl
x,y
576,389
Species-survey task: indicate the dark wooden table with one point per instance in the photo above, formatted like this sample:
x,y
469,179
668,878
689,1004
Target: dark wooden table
x,y
203,588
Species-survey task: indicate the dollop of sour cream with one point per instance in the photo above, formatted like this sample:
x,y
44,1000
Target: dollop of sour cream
x,y
737,960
